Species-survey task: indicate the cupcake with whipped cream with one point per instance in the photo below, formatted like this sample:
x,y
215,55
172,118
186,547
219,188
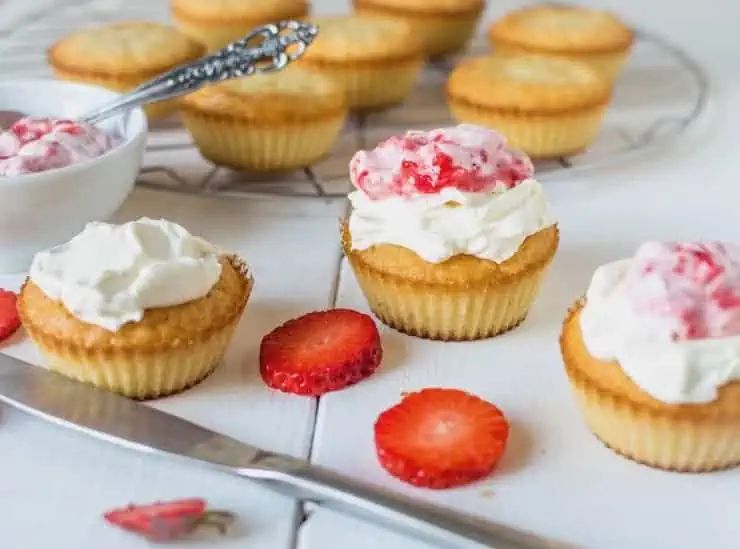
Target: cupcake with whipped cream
x,y
450,234
653,355
144,309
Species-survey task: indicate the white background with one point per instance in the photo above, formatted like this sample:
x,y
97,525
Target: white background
x,y
555,480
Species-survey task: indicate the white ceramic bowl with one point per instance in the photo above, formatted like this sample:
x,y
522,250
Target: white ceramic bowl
x,y
40,210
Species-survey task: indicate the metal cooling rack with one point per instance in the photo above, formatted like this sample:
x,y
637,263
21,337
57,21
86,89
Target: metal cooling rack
x,y
660,94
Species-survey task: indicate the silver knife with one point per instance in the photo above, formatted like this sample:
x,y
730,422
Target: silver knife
x,y
127,423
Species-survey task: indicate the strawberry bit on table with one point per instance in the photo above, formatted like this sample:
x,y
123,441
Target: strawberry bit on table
x,y
9,319
469,158
320,352
165,521
40,144
440,438
694,285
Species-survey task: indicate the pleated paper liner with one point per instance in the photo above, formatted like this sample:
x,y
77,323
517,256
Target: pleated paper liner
x,y
243,144
452,311
539,135
371,85
181,359
687,438
140,376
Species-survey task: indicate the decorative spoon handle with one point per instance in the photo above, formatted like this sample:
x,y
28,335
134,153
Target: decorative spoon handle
x,y
281,43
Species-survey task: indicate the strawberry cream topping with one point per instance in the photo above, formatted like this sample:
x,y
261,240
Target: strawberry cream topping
x,y
694,285
407,185
466,157
40,144
670,316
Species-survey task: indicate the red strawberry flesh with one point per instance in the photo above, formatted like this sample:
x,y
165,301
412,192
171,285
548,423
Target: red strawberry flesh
x,y
440,438
320,352
9,319
164,521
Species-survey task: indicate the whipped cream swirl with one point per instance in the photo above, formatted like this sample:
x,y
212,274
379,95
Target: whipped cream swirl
x,y
438,226
671,317
108,275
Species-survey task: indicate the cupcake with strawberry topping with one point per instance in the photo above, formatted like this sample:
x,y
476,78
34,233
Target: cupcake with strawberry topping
x,y
450,234
653,355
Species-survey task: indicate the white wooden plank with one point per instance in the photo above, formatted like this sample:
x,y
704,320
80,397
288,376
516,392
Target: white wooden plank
x,y
55,485
291,247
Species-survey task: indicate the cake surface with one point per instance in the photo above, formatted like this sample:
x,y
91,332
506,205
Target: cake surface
x,y
532,84
562,29
136,50
437,8
289,96
466,270
160,329
608,378
232,11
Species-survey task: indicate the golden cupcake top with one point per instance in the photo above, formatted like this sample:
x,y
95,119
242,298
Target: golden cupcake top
x,y
288,95
157,264
422,7
159,329
232,11
398,261
562,29
134,48
609,378
362,38
527,83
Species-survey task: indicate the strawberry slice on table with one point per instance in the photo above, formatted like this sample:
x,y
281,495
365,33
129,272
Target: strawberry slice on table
x,y
9,319
440,438
163,521
320,352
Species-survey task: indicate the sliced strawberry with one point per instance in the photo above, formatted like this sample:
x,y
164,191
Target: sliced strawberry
x,y
320,352
440,438
164,521
9,319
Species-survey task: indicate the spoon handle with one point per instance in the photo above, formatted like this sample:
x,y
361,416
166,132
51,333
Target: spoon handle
x,y
266,49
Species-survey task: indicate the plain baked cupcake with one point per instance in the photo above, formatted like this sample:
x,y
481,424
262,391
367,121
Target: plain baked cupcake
x,y
215,23
149,320
547,107
375,60
653,355
273,121
444,26
449,235
595,37
120,56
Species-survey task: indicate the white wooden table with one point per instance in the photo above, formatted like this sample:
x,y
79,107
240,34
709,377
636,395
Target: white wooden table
x,y
555,479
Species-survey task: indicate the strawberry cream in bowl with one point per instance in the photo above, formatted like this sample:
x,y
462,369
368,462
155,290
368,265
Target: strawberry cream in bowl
x,y
449,234
34,145
57,174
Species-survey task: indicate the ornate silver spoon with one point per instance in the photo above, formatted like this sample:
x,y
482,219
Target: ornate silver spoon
x,y
266,49
280,44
